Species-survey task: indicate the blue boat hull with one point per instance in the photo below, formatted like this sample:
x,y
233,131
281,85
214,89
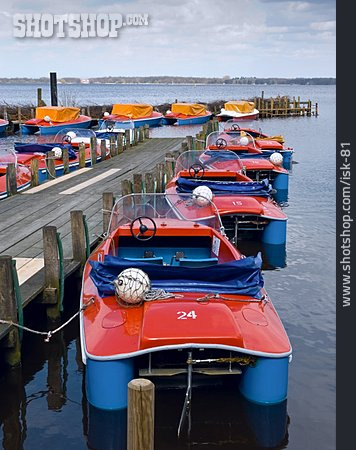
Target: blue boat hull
x,y
198,120
31,129
151,122
3,128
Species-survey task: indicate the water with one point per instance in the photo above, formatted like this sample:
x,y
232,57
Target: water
x,y
43,405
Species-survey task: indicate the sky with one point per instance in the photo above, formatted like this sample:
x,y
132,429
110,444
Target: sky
x,y
213,38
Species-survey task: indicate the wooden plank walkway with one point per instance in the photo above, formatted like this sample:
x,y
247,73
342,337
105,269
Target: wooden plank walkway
x,y
23,216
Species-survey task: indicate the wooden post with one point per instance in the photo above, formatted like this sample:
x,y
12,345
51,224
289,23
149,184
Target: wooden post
x,y
65,158
78,236
11,179
146,131
108,203
127,139
40,102
309,108
8,311
113,150
140,415
149,182
93,150
53,84
126,187
82,155
51,292
137,183
316,110
159,177
190,142
119,143
169,160
103,149
135,140
140,134
34,172
51,166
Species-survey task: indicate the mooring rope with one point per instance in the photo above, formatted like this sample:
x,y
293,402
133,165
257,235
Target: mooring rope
x,y
48,334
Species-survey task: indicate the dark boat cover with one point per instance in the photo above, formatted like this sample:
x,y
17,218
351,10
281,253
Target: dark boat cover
x,y
255,188
242,277
33,147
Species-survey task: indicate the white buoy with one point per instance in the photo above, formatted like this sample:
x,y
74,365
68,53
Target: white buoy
x,y
47,119
202,195
168,111
276,159
106,114
57,152
131,285
244,140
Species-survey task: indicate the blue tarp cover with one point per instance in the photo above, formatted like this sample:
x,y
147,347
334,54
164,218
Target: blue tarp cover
x,y
43,148
241,277
256,188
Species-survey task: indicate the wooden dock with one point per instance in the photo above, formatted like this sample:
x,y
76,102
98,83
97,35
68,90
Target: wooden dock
x,y
27,218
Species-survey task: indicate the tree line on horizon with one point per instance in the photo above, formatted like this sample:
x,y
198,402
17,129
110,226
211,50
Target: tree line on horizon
x,y
178,80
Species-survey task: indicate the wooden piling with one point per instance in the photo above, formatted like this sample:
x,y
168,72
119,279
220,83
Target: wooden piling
x,y
135,138
51,292
146,130
78,236
126,187
127,139
113,150
137,183
108,203
140,415
40,102
149,182
159,175
53,86
8,311
103,149
34,172
51,166
81,155
119,143
65,158
11,180
93,150
141,134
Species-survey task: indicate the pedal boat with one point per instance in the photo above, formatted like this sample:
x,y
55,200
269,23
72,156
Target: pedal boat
x,y
239,110
267,144
257,166
52,119
206,312
68,139
3,125
246,207
127,115
187,114
23,173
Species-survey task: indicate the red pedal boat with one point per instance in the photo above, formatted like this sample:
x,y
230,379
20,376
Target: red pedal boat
x,y
169,296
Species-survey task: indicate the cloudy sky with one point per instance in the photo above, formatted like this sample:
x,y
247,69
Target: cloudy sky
x,y
262,38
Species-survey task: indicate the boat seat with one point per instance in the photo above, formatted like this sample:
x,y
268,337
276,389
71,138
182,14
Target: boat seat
x,y
199,262
153,260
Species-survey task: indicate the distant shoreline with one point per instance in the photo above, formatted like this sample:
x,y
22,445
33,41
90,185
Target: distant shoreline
x,y
173,81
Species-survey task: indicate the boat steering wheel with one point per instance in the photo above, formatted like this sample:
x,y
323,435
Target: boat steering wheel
x,y
235,127
221,143
66,139
143,229
196,171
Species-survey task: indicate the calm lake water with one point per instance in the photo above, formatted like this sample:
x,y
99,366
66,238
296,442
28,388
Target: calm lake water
x,y
43,404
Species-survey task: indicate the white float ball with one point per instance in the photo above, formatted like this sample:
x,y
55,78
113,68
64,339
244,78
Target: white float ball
x,y
168,111
47,119
57,152
202,195
106,114
244,140
71,134
276,159
131,285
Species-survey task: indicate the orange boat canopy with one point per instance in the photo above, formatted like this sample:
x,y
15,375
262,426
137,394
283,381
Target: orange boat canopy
x,y
188,109
240,106
58,113
132,110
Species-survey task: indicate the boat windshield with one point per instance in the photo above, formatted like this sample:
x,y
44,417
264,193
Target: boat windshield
x,y
196,161
233,140
7,156
74,136
236,125
185,207
111,126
